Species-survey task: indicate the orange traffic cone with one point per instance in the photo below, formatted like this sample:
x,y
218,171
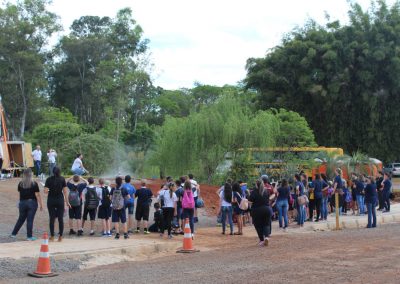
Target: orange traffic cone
x,y
187,240
43,267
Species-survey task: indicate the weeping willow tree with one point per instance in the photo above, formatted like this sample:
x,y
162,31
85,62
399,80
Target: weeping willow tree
x,y
198,143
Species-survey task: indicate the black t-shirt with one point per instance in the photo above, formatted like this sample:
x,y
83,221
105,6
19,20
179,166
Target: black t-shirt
x,y
28,193
55,186
259,200
143,196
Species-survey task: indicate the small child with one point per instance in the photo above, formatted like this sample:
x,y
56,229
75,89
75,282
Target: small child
x,y
105,208
158,219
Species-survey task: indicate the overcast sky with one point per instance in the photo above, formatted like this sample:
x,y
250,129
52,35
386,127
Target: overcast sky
x,y
207,41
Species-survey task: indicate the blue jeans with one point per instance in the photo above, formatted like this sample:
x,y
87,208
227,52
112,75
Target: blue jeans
x,y
27,211
371,214
360,203
78,172
37,167
282,206
324,208
51,168
301,214
227,211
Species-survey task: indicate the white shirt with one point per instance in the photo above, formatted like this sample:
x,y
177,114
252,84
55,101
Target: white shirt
x,y
168,201
223,202
37,155
77,164
99,192
52,157
194,185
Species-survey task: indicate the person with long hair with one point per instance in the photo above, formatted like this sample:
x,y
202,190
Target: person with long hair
x,y
325,198
237,198
282,204
57,191
260,212
371,196
29,197
168,199
338,188
188,205
225,197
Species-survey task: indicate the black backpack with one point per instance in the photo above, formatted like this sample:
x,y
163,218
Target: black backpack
x,y
92,200
106,202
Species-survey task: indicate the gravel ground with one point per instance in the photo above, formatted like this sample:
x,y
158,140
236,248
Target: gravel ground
x,y
348,256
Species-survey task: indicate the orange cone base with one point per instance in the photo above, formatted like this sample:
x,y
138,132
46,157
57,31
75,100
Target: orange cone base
x,y
38,275
187,251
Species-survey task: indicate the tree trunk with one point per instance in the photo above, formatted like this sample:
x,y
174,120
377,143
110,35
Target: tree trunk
x,y
21,83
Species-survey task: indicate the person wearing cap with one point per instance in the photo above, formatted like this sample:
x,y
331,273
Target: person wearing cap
x,y
371,200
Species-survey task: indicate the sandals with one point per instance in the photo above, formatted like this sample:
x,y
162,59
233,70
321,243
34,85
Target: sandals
x,y
238,234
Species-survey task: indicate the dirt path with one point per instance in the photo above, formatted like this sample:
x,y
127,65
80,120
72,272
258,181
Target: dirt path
x,y
351,256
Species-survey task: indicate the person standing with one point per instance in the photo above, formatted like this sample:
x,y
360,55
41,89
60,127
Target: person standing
x,y
169,199
105,208
143,203
57,199
282,203
75,185
226,198
130,202
37,160
91,196
118,197
188,205
370,201
325,198
196,194
51,156
29,197
301,210
237,199
359,188
387,185
77,167
260,212
319,186
379,182
338,188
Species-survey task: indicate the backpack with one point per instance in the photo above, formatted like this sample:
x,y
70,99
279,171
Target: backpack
x,y
105,193
244,203
161,197
188,200
92,200
74,197
117,199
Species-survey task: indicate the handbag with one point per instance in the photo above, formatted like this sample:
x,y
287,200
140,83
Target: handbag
x,y
244,204
302,200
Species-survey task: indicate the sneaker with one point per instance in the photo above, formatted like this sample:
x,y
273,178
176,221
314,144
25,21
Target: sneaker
x,y
72,232
91,233
117,236
51,239
170,236
60,238
130,232
104,234
13,236
137,231
266,241
109,234
192,236
146,232
80,233
196,219
261,244
31,239
126,236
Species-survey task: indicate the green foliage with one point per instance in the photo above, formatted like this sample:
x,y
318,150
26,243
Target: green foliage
x,y
53,115
344,79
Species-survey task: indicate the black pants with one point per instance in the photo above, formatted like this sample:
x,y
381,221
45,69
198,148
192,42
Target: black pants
x,y
168,214
27,211
386,200
381,199
318,204
311,207
262,220
56,210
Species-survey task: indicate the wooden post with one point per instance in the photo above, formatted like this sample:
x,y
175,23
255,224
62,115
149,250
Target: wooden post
x,y
337,210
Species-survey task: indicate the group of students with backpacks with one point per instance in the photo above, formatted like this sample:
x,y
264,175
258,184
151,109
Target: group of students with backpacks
x,y
176,201
108,204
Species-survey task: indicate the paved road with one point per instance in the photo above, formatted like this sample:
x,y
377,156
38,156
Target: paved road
x,y
356,256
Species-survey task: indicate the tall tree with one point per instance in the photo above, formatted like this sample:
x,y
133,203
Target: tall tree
x,y
25,28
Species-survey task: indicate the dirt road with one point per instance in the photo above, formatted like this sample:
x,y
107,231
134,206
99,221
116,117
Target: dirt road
x,y
351,256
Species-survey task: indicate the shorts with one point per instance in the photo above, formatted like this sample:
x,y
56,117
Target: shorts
x,y
75,212
237,210
91,212
119,215
142,212
130,208
104,213
195,201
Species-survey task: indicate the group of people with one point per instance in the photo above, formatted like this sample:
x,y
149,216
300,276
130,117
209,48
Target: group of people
x,y
301,199
111,204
